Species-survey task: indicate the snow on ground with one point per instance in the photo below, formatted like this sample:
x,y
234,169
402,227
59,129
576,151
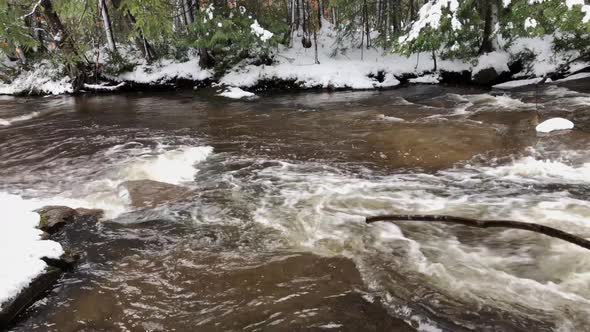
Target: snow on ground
x,y
574,77
165,70
354,68
41,79
554,124
426,79
498,60
236,93
21,247
104,87
519,83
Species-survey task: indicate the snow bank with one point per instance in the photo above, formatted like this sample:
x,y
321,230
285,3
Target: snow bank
x,y
554,124
574,77
519,83
497,60
165,70
426,79
21,247
104,87
41,79
236,93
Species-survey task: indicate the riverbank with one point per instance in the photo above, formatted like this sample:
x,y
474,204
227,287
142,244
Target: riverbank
x,y
342,68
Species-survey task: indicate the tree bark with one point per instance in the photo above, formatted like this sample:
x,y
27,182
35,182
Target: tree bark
x,y
64,43
188,11
106,24
140,41
542,229
488,13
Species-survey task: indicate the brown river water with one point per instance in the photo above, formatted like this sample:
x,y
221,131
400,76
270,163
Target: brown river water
x,y
271,236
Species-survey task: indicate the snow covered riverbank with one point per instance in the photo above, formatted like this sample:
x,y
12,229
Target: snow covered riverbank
x,y
21,246
348,67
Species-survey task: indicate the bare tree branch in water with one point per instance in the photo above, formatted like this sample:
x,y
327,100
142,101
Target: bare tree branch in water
x,y
546,230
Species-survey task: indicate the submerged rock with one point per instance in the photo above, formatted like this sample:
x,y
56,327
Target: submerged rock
x,y
54,217
149,193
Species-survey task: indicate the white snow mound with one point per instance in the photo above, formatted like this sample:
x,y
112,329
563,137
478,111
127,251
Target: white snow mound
x,y
236,93
21,247
554,124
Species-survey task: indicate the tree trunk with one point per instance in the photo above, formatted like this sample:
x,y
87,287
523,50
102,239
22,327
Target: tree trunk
x,y
488,12
320,13
188,11
334,16
64,43
106,24
140,41
367,30
301,20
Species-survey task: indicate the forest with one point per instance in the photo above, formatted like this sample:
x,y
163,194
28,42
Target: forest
x,y
91,40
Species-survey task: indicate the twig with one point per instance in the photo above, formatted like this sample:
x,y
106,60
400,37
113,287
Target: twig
x,y
546,230
32,11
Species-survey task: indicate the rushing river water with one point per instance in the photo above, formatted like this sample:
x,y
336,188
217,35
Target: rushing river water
x,y
272,234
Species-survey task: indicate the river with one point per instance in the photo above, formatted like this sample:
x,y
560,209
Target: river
x,y
272,236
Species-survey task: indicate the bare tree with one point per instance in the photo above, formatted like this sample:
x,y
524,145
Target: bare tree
x,y
106,24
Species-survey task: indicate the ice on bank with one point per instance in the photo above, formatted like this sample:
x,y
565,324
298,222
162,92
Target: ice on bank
x,y
21,246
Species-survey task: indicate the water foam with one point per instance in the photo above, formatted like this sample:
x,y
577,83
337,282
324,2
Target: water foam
x,y
322,211
10,121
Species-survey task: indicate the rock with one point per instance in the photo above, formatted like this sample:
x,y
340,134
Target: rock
x,y
89,214
66,262
490,76
149,193
28,295
54,217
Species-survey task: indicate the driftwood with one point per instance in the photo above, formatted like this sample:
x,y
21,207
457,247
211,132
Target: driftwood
x,y
546,230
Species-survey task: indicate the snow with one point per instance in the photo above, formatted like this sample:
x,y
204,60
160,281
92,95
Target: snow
x,y
584,7
104,87
554,124
260,32
530,23
41,79
166,70
519,83
21,247
426,79
577,76
236,93
497,60
430,15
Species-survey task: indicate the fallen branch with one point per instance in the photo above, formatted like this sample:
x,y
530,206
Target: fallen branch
x,y
546,230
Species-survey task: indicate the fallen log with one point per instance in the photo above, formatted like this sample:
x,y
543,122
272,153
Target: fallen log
x,y
542,229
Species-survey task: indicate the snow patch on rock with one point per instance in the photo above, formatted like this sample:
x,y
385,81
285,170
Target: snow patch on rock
x,y
554,124
519,83
236,93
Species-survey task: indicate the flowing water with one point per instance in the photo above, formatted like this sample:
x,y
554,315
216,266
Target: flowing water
x,y
271,235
